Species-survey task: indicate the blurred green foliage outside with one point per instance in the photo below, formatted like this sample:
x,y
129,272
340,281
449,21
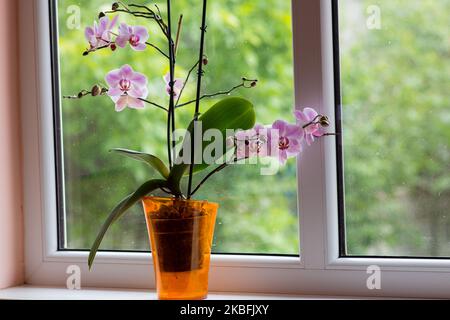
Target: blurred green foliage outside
x,y
396,116
245,38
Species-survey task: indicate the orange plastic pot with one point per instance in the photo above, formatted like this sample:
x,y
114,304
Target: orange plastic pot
x,y
181,234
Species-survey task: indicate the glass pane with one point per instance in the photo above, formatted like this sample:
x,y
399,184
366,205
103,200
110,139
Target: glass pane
x,y
244,38
395,59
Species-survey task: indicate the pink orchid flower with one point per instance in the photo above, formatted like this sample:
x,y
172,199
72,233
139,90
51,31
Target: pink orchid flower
x,y
251,143
307,118
137,37
285,141
100,34
127,88
177,86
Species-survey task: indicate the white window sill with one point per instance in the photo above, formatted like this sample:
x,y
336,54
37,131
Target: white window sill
x,y
47,293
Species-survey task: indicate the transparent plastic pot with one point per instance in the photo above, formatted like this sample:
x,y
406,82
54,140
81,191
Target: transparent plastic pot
x,y
181,234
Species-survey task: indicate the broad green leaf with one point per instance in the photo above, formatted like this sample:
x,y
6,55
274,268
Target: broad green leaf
x,y
149,159
228,114
120,210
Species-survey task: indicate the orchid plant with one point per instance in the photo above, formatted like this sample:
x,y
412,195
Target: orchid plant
x,y
128,88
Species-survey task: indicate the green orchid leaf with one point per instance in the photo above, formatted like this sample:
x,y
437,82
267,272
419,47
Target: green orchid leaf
x,y
228,114
120,210
149,159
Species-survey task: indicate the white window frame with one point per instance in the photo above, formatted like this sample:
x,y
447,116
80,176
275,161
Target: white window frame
x,y
320,270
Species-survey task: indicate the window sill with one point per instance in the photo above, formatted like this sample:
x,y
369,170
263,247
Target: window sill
x,y
49,293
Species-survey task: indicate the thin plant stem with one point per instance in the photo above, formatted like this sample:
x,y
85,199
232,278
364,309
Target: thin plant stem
x,y
197,105
149,14
212,173
220,93
312,122
141,7
160,21
111,43
171,116
84,93
85,53
218,169
154,104
134,13
147,43
185,83
158,49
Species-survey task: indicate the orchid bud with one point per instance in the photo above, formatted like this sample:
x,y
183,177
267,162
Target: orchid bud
x,y
96,91
80,95
205,60
324,121
101,15
253,84
115,6
113,47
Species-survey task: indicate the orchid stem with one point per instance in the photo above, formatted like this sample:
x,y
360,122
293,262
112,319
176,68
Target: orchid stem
x,y
185,83
84,93
158,49
313,121
147,43
218,169
212,173
141,7
154,104
199,87
149,14
171,117
104,91
220,93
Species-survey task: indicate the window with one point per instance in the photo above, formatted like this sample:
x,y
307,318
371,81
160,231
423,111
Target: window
x,y
396,133
92,180
384,154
